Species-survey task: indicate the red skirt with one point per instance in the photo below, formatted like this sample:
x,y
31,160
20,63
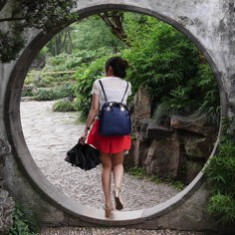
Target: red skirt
x,y
108,144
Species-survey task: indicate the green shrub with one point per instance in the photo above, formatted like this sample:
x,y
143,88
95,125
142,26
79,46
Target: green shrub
x,y
220,174
222,207
169,65
138,172
54,92
28,90
85,77
24,222
45,94
63,106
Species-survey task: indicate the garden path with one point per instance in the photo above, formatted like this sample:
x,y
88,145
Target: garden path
x,y
49,135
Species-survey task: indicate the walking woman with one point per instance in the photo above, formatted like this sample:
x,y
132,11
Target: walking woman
x,y
112,148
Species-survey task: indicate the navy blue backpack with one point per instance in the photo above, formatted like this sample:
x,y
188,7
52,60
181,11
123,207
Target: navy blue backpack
x,y
114,117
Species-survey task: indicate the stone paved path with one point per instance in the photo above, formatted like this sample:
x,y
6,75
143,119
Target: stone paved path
x,y
49,135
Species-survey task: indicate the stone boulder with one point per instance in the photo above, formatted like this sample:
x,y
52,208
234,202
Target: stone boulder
x,y
157,132
142,104
149,130
4,149
198,148
137,154
192,168
141,108
163,157
178,151
194,124
6,202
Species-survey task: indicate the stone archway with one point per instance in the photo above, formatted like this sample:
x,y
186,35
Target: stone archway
x,y
204,22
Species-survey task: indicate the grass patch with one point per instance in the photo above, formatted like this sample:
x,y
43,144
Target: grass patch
x,y
140,173
28,90
54,93
64,105
24,222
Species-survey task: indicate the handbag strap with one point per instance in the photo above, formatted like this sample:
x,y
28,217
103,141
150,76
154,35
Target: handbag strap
x,y
105,96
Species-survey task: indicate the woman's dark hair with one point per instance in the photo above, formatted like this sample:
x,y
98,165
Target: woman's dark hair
x,y
119,66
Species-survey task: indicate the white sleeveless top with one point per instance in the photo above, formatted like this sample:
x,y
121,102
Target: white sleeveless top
x,y
114,88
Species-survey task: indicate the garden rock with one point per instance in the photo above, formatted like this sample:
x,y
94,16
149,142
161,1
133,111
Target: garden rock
x,y
6,210
155,131
163,157
142,107
191,170
198,147
178,151
194,123
4,149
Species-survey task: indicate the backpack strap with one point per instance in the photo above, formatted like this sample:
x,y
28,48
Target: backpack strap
x,y
127,86
102,87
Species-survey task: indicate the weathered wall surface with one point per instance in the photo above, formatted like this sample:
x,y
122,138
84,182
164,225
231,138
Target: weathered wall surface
x,y
209,24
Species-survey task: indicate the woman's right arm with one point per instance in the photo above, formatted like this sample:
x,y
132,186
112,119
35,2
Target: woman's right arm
x,y
94,111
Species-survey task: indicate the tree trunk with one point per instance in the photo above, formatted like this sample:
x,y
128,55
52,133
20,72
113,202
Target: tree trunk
x,y
114,20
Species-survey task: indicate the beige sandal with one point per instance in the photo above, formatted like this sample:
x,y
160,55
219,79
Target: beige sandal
x,y
108,209
117,198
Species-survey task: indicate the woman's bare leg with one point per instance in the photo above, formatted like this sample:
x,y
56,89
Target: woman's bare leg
x,y
118,170
106,177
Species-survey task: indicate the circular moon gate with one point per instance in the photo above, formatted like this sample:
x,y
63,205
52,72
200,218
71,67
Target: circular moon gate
x,y
170,214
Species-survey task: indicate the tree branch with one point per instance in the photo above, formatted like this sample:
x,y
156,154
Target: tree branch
x,y
114,22
11,19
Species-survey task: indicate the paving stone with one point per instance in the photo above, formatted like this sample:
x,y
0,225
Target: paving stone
x,y
111,231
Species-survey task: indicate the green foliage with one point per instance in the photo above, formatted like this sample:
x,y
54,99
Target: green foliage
x,y
11,43
54,93
162,59
64,105
92,33
24,222
140,173
28,90
221,169
220,173
223,208
85,77
209,93
27,13
171,67
33,12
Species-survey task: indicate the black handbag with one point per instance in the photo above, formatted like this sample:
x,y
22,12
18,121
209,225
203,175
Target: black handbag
x,y
114,117
83,156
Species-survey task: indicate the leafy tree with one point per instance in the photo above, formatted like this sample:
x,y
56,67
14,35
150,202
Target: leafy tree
x,y
171,67
23,14
62,43
92,34
168,64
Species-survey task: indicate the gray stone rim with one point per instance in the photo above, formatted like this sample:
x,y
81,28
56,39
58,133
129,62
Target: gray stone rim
x,y
25,160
